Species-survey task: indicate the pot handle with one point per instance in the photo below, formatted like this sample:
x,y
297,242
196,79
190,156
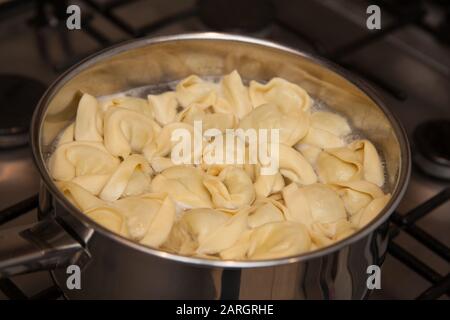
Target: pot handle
x,y
44,245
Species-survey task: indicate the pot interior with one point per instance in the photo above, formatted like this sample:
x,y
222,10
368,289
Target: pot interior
x,y
156,62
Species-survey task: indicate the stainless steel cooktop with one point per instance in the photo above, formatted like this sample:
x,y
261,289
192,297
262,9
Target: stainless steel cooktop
x,y
408,61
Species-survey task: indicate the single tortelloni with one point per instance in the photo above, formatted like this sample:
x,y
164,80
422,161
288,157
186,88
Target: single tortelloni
x,y
195,90
139,105
362,199
132,177
201,222
160,164
359,160
206,232
78,196
369,213
313,203
89,122
149,217
209,120
265,211
372,167
326,130
96,209
291,122
279,92
88,164
164,107
339,164
357,194
320,208
265,185
67,135
231,189
127,131
185,185
324,234
311,153
270,241
225,235
294,166
233,97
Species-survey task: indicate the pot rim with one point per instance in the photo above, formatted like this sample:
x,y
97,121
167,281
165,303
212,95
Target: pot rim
x,y
399,189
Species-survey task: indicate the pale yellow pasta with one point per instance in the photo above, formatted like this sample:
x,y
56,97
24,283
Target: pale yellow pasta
x,y
231,189
323,234
311,153
94,183
147,218
131,103
292,122
280,92
67,135
373,169
125,162
109,218
224,236
327,130
367,214
78,196
340,164
330,122
201,222
195,90
163,143
266,211
313,203
359,160
209,120
265,185
131,178
233,96
185,185
322,139
88,164
357,194
164,107
126,131
161,223
216,155
88,122
295,167
270,241
161,163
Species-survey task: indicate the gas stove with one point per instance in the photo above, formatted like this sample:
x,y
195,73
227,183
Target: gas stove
x,y
407,61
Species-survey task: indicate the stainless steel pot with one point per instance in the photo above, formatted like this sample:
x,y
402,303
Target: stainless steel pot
x,y
115,267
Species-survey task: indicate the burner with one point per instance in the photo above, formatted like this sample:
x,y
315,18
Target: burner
x,y
236,15
18,96
432,141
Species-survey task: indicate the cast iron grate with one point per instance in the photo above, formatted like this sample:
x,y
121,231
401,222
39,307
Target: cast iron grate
x,y
108,10
440,284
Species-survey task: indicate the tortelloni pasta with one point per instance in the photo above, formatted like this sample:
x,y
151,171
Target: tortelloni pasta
x,y
115,163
